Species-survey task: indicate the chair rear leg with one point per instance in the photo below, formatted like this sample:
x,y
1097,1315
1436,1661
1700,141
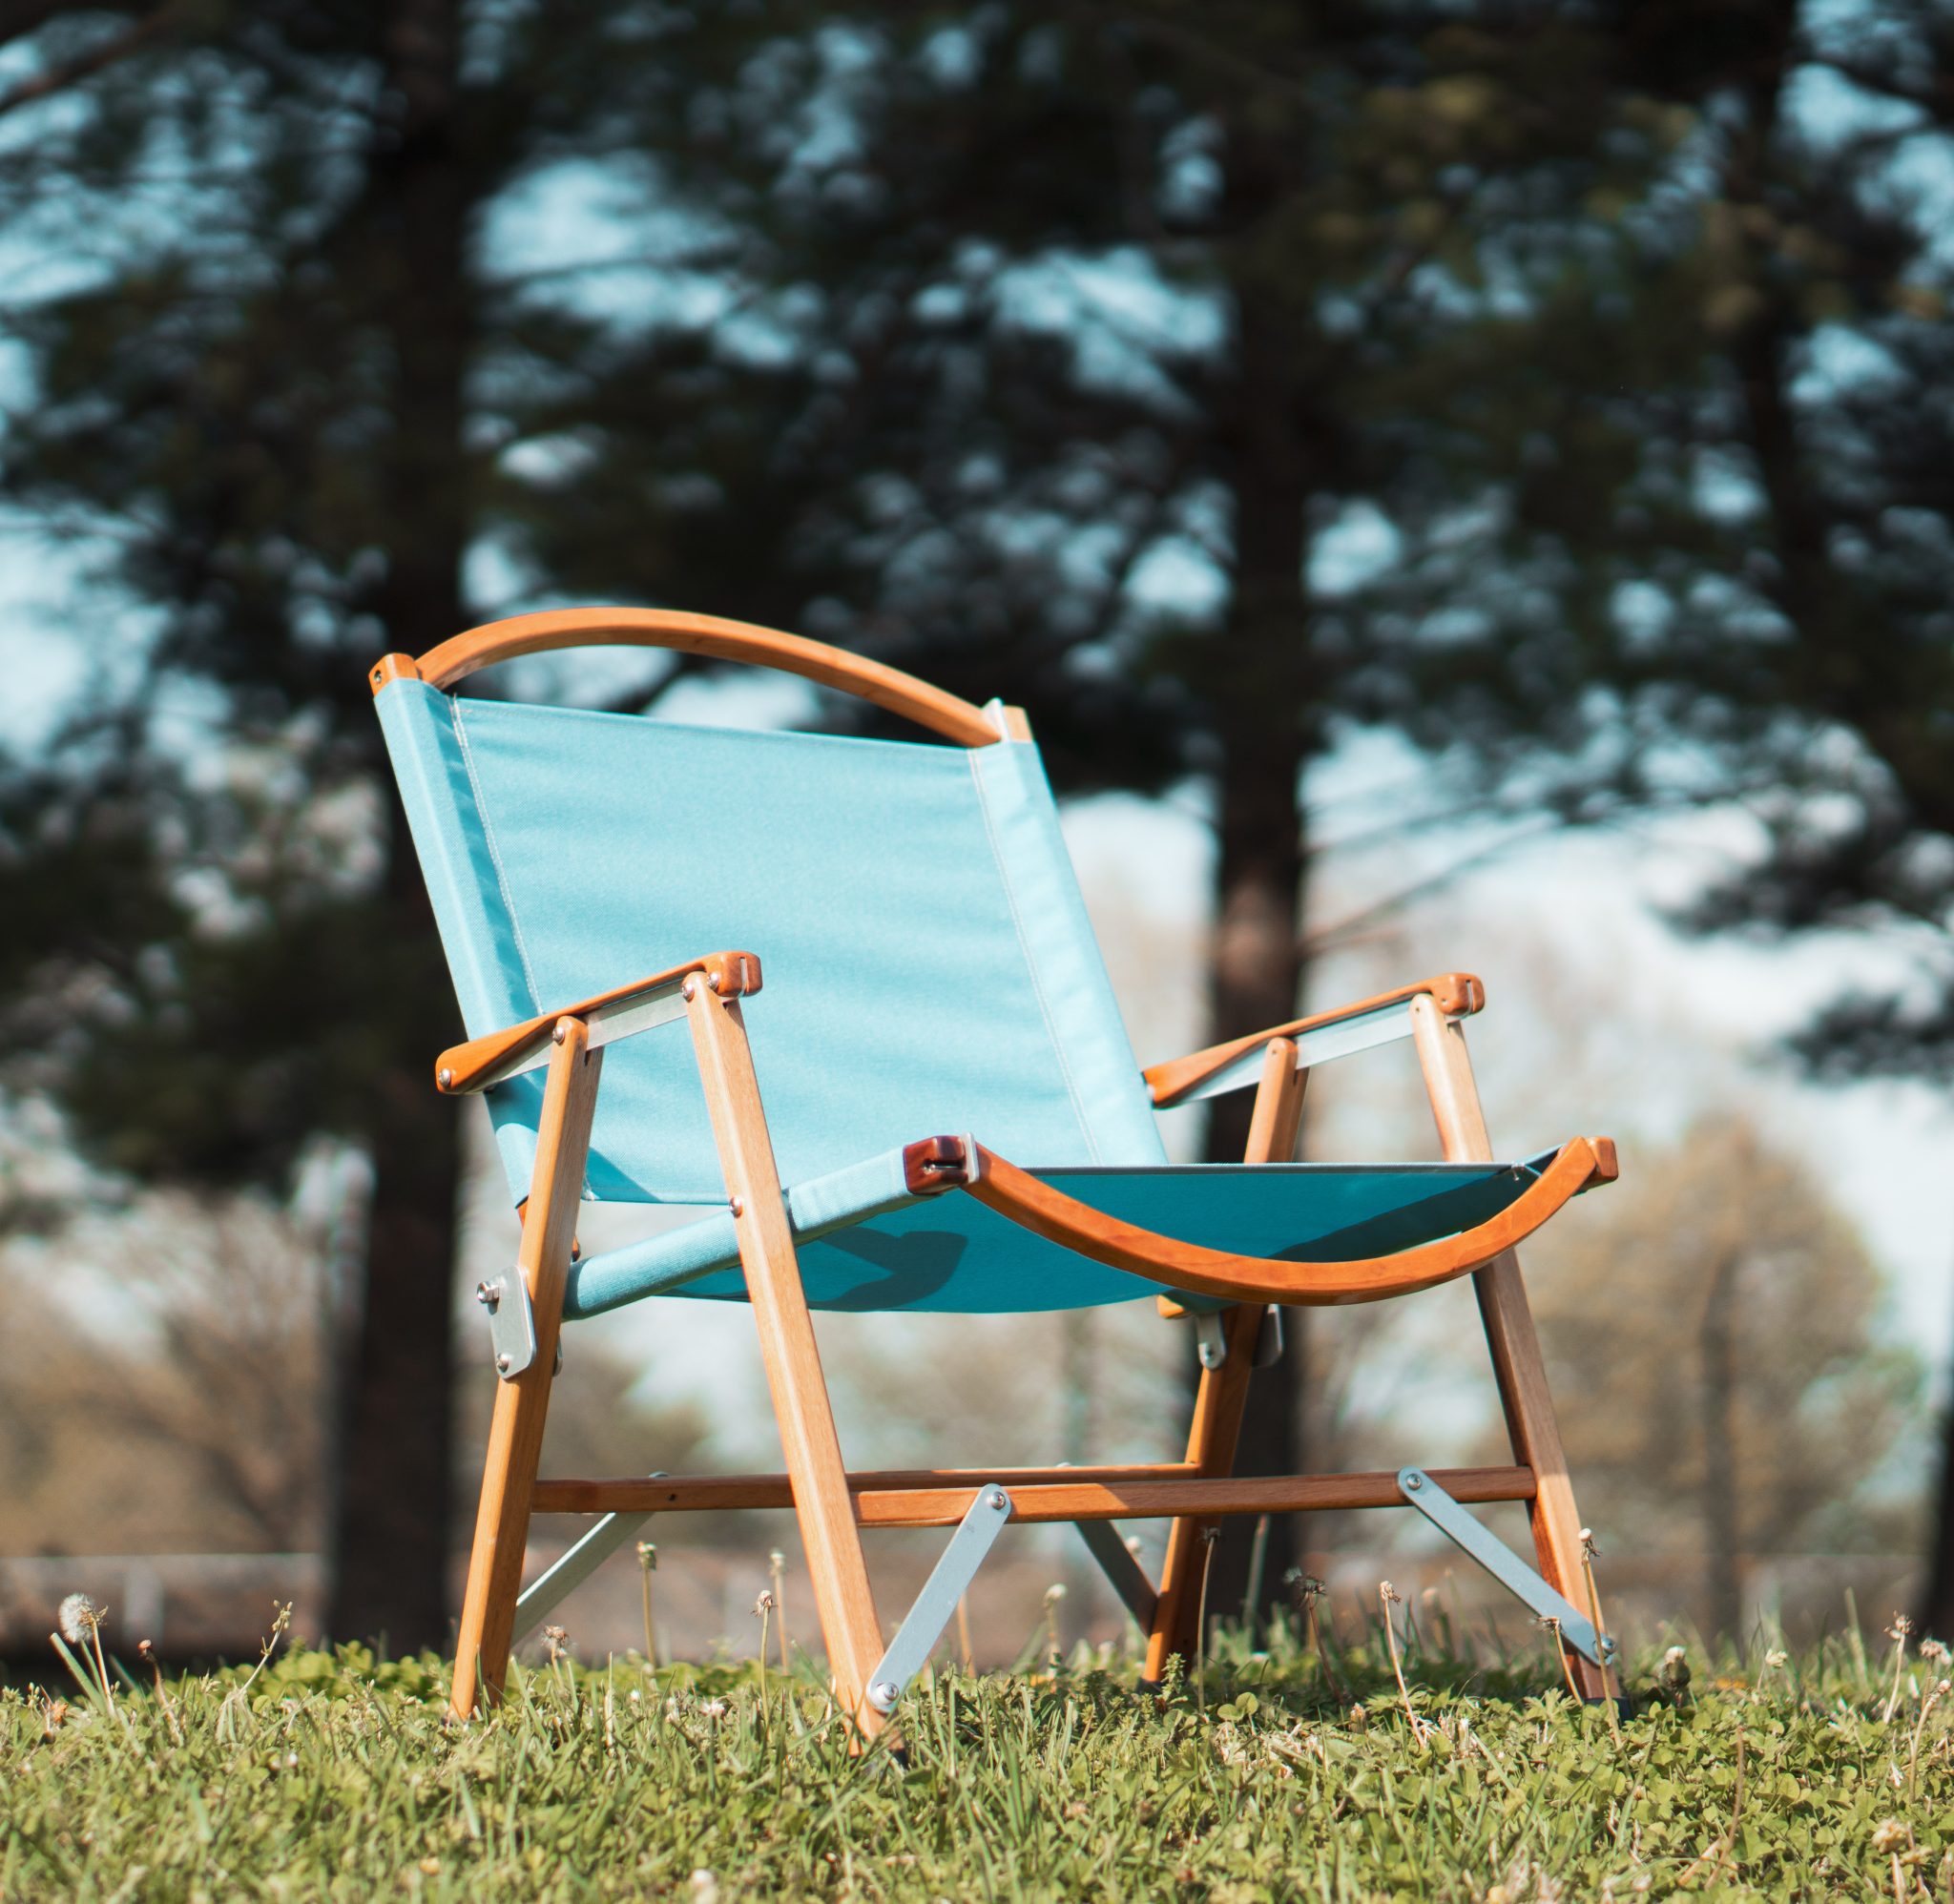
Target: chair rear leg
x,y
1223,1391
1521,1372
1219,1404
522,1403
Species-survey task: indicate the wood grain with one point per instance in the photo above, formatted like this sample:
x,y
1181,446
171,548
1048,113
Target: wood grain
x,y
1034,1204
522,1405
481,1060
1222,1393
1072,1498
1532,1425
837,1572
455,659
1458,994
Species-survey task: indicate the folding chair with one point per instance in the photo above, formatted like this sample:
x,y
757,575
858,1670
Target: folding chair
x,y
933,1107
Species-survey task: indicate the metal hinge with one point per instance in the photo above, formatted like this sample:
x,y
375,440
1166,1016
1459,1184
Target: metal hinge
x,y
1211,1330
1505,1566
909,1652
511,1323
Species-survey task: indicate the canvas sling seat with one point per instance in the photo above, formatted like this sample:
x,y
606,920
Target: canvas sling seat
x,y
930,1104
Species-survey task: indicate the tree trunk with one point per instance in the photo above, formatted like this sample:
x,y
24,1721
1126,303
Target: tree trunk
x,y
391,1539
1260,693
1936,1608
1722,1547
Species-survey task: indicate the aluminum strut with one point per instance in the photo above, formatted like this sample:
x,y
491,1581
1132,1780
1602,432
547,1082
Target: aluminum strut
x,y
1499,1560
909,1652
575,1566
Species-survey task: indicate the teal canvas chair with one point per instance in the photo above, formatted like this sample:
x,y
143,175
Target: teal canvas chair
x,y
931,1106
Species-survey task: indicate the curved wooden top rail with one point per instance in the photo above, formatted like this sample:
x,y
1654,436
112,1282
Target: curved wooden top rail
x,y
1064,1220
552,628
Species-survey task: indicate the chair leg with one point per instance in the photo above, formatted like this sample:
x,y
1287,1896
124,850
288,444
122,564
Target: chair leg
x,y
522,1404
1223,1391
1210,1443
1531,1426
836,1571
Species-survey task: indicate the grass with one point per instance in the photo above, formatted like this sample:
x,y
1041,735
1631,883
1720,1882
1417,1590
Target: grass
x,y
333,1775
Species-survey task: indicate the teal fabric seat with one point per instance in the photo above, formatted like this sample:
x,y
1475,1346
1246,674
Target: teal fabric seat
x,y
866,1243
929,968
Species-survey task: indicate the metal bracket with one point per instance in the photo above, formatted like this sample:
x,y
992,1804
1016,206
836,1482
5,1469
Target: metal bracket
x,y
511,1323
1211,1333
909,1652
1499,1560
1117,1562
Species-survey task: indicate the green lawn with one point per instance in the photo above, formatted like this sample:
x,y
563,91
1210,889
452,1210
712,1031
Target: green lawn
x,y
332,1776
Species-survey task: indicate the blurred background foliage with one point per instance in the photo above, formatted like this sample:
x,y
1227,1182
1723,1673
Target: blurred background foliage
x,y
1560,388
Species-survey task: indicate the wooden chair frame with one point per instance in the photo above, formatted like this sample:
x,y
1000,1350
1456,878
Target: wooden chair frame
x,y
832,1504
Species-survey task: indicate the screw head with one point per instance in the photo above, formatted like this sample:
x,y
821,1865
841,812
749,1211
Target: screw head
x,y
562,1031
1413,1482
689,989
884,1694
504,1362
445,1078
997,1498
489,1294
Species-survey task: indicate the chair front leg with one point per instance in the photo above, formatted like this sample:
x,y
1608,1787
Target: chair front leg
x,y
1223,1391
522,1403
836,1571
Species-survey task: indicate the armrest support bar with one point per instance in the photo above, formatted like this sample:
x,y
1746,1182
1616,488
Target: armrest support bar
x,y
1237,1063
610,1015
1064,1220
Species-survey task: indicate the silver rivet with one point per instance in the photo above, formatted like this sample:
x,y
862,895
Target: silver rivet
x,y
996,1499
738,1206
561,1032
1413,1482
689,989
445,1078
712,982
503,1362
885,1693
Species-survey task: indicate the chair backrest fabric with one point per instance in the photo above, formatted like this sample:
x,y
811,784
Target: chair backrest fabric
x,y
927,962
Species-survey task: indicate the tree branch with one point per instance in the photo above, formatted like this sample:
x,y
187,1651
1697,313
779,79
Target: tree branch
x,y
85,65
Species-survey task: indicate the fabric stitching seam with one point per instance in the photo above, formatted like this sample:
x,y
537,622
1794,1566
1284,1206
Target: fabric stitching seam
x,y
1045,1011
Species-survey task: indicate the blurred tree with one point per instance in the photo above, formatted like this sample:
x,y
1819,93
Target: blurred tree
x,y
1109,308
1719,1329
277,368
1711,556
958,333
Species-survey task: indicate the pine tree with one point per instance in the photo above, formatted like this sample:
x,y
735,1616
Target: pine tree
x,y
1721,574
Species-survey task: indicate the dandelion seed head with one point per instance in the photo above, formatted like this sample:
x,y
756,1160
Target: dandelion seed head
x,y
1776,1657
1935,1651
78,1617
713,1708
1054,1593
763,1606
1902,1626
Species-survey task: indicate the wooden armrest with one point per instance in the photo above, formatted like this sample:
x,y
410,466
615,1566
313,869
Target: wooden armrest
x,y
1035,1206
610,1015
1457,993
